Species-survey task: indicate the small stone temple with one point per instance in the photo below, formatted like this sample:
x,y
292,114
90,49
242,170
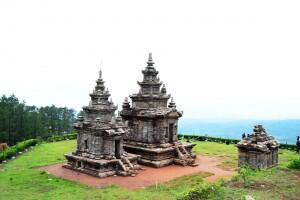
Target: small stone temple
x,y
258,150
100,139
153,124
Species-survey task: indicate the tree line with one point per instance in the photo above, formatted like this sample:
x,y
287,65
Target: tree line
x,y
19,121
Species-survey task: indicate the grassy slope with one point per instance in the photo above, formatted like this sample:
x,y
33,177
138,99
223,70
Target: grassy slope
x,y
276,183
229,153
19,179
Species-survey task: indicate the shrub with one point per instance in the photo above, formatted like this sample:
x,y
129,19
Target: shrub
x,y
56,138
13,150
244,172
203,191
294,164
291,147
208,138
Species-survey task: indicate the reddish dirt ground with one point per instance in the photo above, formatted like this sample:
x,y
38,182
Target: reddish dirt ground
x,y
146,177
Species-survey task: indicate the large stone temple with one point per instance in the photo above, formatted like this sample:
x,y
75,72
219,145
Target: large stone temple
x,y
100,139
258,150
153,124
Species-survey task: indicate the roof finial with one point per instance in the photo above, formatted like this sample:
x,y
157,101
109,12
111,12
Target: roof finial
x,y
164,90
150,61
100,74
150,56
172,104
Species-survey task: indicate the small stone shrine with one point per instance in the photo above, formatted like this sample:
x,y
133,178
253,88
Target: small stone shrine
x,y
153,124
258,150
100,139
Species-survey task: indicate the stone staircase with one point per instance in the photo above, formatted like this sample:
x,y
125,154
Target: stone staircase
x,y
184,158
126,167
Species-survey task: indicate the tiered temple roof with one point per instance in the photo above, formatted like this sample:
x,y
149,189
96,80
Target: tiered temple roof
x,y
259,140
152,99
151,94
100,104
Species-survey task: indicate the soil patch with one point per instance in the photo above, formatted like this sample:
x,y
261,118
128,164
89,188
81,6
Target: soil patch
x,y
148,176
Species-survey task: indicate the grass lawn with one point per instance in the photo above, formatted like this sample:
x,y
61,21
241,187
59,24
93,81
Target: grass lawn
x,y
276,183
20,180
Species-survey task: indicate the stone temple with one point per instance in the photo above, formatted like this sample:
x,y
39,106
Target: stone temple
x,y
153,124
258,150
100,139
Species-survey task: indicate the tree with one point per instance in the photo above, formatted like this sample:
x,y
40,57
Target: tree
x,y
19,121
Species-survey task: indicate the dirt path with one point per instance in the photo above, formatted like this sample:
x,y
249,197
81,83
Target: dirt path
x,y
148,176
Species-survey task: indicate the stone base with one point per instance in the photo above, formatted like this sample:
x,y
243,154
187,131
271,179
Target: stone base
x,y
258,160
125,166
156,164
160,157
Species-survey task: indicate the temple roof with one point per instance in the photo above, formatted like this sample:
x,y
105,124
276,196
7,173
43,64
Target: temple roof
x,y
99,114
259,140
100,102
114,128
151,84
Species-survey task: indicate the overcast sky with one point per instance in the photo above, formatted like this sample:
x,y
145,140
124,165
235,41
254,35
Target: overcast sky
x,y
218,59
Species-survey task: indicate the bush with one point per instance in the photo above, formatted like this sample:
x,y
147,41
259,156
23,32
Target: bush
x,y
294,164
14,150
208,138
244,172
291,147
56,138
203,191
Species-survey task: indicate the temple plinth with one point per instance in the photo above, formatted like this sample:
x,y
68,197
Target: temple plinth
x,y
153,124
100,139
258,150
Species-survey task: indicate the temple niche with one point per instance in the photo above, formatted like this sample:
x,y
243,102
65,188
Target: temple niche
x,y
100,139
258,150
153,124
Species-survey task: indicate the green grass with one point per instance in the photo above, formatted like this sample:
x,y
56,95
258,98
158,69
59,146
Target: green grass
x,y
230,154
227,152
19,178
276,183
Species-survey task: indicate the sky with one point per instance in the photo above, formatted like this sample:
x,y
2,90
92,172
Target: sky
x,y
219,59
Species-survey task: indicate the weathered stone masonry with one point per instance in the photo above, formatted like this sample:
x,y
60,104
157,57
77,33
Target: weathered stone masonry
x,y
100,139
258,150
153,124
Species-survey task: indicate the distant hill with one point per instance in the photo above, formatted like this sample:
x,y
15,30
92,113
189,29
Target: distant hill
x,y
285,131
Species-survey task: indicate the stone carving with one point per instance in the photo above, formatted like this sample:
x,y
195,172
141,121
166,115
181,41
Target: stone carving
x,y
153,124
258,150
100,139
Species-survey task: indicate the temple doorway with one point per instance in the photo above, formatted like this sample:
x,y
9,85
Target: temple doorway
x,y
86,144
117,149
171,132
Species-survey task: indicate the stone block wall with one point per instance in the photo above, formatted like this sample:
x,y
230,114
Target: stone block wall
x,y
258,160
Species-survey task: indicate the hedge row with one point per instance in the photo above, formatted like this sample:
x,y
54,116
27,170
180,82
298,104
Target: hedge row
x,y
291,147
208,138
14,150
72,136
56,138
